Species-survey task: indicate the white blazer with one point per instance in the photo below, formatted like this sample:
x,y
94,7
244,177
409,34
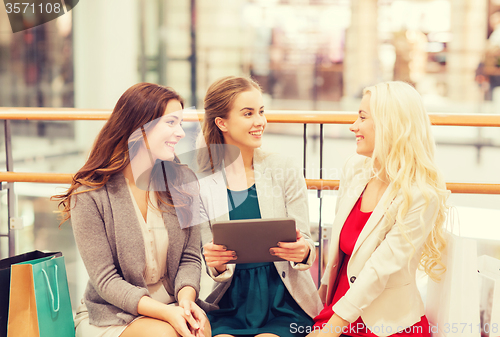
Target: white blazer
x,y
281,192
383,289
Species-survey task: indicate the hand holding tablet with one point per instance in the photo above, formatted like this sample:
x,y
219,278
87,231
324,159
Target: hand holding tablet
x,y
217,256
292,251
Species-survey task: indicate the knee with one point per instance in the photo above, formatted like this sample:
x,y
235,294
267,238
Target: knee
x,y
208,329
162,329
150,327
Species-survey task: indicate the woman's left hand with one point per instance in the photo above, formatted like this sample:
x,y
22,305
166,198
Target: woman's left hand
x,y
191,308
292,251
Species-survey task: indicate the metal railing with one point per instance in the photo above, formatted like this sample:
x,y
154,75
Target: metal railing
x,y
305,118
312,184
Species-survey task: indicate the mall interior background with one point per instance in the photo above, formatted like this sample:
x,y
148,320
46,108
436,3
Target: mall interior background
x,y
306,54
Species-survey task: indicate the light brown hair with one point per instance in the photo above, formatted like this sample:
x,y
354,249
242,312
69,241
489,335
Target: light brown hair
x,y
218,102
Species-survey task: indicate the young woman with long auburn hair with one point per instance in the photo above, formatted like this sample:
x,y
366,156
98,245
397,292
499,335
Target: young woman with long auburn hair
x,y
257,299
133,223
389,221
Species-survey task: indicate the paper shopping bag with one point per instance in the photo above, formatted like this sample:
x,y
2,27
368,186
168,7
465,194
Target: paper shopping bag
x,y
452,305
489,275
39,304
5,265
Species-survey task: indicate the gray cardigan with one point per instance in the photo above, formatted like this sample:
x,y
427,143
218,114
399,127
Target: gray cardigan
x,y
282,192
109,239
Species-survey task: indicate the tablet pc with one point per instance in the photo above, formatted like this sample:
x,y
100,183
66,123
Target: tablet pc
x,y
251,239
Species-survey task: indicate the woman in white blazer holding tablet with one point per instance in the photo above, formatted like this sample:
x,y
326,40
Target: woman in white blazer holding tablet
x,y
389,221
244,182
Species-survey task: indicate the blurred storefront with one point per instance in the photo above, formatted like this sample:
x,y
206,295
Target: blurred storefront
x,y
307,54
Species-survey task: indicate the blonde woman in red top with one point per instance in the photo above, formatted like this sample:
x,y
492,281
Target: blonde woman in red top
x,y
389,216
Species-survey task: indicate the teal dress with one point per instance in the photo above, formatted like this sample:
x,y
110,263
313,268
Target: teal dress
x,y
257,301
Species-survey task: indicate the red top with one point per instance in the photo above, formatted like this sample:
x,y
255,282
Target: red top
x,y
348,236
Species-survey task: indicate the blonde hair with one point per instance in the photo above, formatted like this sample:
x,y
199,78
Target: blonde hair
x,y
404,150
217,103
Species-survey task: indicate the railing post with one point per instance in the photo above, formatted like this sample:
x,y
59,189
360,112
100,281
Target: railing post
x,y
320,196
11,198
305,149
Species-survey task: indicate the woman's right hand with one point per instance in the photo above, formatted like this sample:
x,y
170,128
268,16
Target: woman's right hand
x,y
217,256
182,323
174,315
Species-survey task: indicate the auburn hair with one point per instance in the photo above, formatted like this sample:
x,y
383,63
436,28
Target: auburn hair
x,y
139,108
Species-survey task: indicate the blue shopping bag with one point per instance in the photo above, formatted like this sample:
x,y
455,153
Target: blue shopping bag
x,y
39,304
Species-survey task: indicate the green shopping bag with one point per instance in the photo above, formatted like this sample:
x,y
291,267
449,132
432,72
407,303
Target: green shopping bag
x,y
5,265
39,304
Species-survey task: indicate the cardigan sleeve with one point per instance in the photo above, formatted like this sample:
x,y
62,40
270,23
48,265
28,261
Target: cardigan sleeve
x,y
206,237
297,207
189,269
92,241
190,264
391,256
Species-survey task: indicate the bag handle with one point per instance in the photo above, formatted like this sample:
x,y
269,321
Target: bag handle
x,y
450,220
50,289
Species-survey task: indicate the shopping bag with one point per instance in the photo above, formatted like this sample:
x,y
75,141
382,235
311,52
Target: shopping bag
x,y
489,275
5,265
39,304
452,305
